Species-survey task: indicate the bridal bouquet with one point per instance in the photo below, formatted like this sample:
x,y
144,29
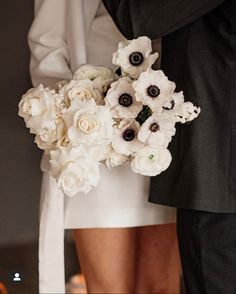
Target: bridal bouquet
x,y
102,117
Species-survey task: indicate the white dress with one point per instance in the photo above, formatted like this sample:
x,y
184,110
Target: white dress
x,y
121,198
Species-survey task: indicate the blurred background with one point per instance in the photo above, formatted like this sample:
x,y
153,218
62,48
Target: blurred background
x,y
20,176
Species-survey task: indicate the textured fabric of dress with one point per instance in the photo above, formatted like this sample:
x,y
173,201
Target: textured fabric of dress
x,y
121,198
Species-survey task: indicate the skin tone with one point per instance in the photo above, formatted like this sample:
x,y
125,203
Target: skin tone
x,y
129,260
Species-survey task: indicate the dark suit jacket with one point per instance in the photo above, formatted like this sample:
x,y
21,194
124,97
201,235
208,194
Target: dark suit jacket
x,y
199,55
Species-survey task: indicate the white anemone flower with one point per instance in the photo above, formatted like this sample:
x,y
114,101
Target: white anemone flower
x,y
74,170
153,89
173,103
134,56
182,111
151,161
157,131
121,99
125,137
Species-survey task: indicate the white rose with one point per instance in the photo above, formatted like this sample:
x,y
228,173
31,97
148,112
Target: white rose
x,y
32,107
134,56
91,124
82,90
74,170
30,104
38,108
97,74
121,99
151,162
48,138
73,178
87,123
45,145
37,102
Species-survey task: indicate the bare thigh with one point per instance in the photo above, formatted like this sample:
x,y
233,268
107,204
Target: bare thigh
x,y
107,258
158,263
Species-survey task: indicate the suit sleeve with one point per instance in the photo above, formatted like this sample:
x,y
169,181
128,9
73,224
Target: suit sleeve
x,y
49,53
156,18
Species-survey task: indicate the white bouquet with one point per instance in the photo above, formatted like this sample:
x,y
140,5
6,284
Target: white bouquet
x,y
101,117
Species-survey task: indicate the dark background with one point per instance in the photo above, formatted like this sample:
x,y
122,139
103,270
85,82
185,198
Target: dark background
x,y
19,158
20,176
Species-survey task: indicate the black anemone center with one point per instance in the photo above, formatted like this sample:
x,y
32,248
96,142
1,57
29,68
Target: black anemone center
x,y
153,91
125,100
136,58
154,127
172,104
128,135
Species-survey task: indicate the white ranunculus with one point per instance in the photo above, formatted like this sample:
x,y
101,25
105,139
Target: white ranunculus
x,y
91,124
134,56
97,74
125,137
151,161
153,89
121,99
74,170
115,159
81,90
157,131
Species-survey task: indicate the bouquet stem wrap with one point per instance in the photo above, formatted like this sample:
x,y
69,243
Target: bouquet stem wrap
x,y
51,240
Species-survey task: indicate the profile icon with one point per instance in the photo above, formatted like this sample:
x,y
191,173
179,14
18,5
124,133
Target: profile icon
x,y
17,277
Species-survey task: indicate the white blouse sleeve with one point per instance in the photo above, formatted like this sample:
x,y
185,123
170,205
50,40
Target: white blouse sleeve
x,y
49,53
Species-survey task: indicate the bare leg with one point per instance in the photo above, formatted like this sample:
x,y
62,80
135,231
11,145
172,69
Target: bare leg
x,y
107,258
158,263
